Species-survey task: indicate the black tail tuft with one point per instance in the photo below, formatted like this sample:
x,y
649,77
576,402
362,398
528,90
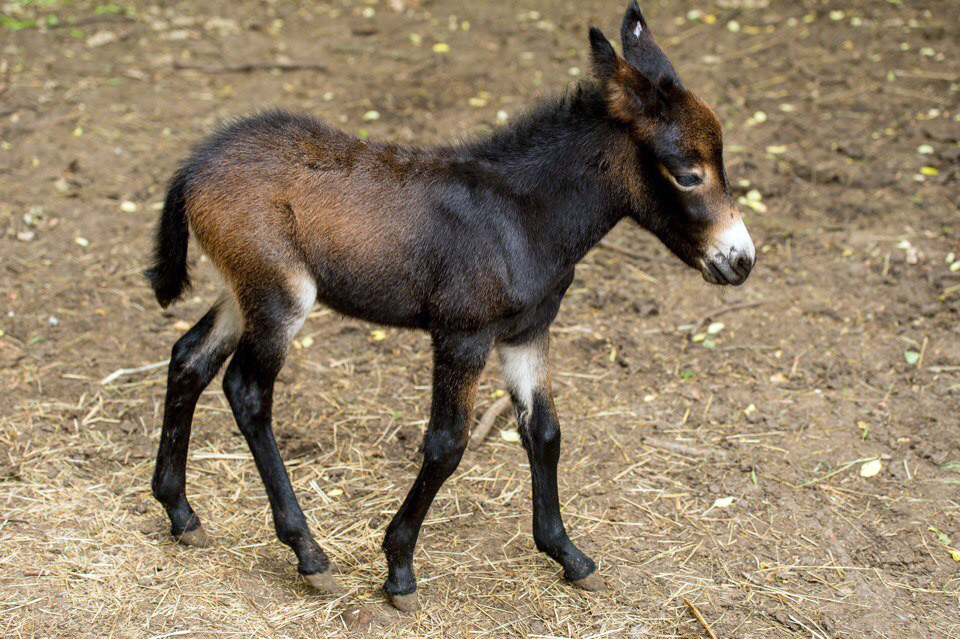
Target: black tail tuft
x,y
168,275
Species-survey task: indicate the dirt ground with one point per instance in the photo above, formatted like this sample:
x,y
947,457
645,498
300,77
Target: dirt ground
x,y
725,466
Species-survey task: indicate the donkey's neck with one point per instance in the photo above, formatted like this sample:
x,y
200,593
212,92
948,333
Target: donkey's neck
x,y
554,161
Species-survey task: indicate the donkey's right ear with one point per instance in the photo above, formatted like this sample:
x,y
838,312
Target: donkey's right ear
x,y
602,56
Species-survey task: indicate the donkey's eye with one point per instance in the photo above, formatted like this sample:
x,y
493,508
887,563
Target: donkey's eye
x,y
689,180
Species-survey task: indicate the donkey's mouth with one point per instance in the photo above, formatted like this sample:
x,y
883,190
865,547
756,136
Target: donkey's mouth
x,y
723,269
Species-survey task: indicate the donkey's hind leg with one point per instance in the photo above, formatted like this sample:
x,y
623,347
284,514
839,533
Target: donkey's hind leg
x,y
271,322
195,360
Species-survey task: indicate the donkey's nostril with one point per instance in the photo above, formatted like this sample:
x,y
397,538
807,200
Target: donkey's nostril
x,y
742,263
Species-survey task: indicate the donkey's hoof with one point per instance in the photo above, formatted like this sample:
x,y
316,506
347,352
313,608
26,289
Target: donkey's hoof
x,y
592,582
196,537
322,581
405,603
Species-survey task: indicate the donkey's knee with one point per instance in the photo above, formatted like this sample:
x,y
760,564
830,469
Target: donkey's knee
x,y
247,391
187,369
443,449
542,432
199,353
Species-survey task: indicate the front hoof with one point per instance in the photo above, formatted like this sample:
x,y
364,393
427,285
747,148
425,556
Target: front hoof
x,y
322,581
405,603
196,537
591,583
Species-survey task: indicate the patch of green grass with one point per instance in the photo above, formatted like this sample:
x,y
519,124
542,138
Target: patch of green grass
x,y
16,25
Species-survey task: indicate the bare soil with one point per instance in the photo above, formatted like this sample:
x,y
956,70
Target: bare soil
x,y
843,347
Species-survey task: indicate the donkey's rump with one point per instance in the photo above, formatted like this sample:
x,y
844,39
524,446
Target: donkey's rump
x,y
261,209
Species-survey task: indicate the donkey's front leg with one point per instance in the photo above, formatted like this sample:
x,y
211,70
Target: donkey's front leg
x,y
458,362
525,372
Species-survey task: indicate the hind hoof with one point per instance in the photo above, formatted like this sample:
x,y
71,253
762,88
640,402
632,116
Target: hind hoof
x,y
322,581
196,537
591,583
405,603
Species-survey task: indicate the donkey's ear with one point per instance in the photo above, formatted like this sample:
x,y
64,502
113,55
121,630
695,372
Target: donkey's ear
x,y
629,91
602,56
633,22
640,50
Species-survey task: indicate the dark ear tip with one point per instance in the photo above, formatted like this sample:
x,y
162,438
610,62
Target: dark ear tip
x,y
634,14
598,40
603,57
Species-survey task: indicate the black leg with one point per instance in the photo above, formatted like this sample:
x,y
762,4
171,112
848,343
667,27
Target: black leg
x,y
541,439
525,370
458,363
248,384
195,360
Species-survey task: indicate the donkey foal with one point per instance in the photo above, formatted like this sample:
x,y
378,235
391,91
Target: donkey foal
x,y
475,243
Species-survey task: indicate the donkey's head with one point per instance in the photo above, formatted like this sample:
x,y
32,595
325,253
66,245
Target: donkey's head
x,y
677,182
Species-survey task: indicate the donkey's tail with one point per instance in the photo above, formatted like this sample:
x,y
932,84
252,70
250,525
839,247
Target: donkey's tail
x,y
168,276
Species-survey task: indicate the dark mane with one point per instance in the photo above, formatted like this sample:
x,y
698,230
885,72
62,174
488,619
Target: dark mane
x,y
546,122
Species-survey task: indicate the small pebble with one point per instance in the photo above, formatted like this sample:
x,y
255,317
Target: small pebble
x,y
357,618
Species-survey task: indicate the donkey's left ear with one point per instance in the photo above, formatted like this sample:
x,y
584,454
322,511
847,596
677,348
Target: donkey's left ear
x,y
640,50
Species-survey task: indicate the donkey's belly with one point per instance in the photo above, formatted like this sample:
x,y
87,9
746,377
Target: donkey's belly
x,y
394,298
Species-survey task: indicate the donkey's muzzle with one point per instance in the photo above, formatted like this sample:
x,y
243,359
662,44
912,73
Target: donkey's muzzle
x,y
728,269
731,267
730,255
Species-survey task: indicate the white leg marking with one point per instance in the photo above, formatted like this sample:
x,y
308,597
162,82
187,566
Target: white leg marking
x,y
227,326
229,322
523,370
304,291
